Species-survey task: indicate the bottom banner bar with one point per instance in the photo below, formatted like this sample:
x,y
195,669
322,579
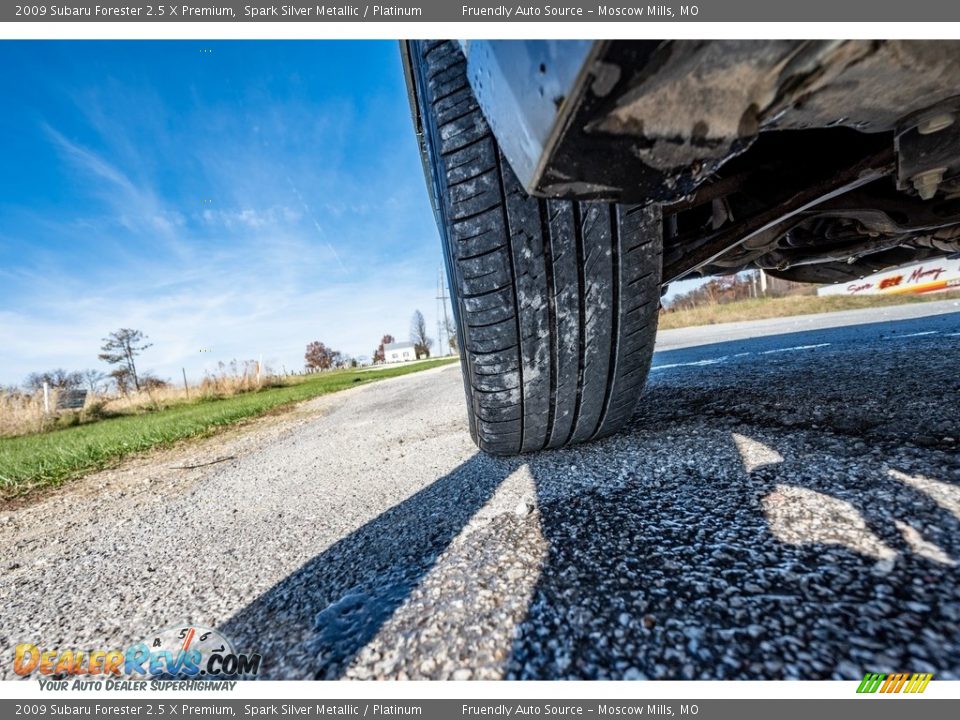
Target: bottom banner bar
x,y
874,707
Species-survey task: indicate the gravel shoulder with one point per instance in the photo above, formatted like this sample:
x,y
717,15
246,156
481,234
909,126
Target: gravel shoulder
x,y
780,507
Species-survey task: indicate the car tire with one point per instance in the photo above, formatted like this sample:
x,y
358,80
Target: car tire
x,y
556,301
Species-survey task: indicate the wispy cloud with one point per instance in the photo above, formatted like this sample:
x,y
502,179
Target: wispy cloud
x,y
252,218
234,312
249,282
313,219
248,225
137,207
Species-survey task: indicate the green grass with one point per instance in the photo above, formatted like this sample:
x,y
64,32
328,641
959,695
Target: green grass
x,y
761,308
47,459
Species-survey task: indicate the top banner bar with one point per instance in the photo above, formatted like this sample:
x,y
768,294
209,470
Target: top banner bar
x,y
452,11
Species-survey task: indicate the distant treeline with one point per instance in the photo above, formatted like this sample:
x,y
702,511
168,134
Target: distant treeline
x,y
731,288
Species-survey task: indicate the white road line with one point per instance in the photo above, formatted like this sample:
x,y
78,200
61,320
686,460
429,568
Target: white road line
x,y
712,361
797,347
910,335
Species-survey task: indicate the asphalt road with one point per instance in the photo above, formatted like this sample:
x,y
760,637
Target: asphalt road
x,y
786,506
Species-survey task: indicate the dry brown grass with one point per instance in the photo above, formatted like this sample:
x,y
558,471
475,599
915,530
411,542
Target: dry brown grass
x,y
230,379
22,412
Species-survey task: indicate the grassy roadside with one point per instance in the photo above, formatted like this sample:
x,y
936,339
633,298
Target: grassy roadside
x,y
46,459
761,308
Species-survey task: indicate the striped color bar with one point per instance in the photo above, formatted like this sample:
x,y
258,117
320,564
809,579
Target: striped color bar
x,y
918,683
870,683
894,683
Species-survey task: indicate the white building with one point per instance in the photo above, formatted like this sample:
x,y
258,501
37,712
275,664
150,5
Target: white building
x,y
399,352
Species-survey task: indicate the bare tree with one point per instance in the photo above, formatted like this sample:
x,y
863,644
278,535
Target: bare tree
x,y
120,348
320,357
729,289
11,392
121,378
93,379
151,382
418,334
451,330
58,379
378,355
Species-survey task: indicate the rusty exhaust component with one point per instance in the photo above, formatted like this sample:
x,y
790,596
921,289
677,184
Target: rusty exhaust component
x,y
778,213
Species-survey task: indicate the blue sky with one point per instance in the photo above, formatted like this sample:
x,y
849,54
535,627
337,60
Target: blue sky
x,y
243,198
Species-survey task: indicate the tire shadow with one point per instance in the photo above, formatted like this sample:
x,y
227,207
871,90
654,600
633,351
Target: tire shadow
x,y
313,622
765,544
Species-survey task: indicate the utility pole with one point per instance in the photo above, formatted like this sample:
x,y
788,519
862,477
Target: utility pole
x,y
439,317
186,388
442,298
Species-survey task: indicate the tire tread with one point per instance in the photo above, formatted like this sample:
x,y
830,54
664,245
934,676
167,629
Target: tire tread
x,y
554,299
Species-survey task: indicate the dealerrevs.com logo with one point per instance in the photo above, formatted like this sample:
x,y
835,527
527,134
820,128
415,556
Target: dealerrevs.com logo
x,y
187,652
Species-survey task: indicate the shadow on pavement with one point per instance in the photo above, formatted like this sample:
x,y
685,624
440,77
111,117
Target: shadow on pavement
x,y
322,614
792,530
761,518
692,572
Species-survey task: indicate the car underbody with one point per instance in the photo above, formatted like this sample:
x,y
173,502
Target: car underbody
x,y
817,161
